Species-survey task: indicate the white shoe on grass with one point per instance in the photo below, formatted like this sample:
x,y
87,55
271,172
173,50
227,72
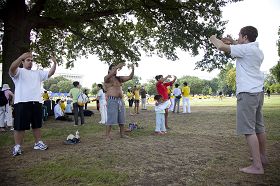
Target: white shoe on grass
x,y
40,146
17,150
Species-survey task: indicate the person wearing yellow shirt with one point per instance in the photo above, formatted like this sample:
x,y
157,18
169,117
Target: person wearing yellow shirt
x,y
62,105
136,92
186,98
130,98
45,96
172,98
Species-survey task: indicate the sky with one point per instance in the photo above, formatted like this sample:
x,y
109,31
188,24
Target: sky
x,y
262,14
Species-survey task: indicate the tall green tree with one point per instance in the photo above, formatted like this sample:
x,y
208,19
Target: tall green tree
x,y
135,81
196,84
58,84
65,86
94,89
224,86
114,30
275,71
151,87
231,79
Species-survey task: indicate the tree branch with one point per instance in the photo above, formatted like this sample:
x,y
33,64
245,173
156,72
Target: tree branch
x,y
77,33
38,7
46,22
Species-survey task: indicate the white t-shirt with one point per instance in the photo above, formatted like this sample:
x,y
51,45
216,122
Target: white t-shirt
x,y
161,107
28,84
249,78
101,95
177,92
57,111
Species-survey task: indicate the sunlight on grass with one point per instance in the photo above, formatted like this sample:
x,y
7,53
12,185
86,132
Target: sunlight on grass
x,y
96,162
63,172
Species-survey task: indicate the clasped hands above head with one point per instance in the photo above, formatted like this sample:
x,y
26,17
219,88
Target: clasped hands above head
x,y
226,40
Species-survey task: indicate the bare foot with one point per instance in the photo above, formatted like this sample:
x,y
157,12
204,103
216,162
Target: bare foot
x,y
109,138
124,136
158,133
252,170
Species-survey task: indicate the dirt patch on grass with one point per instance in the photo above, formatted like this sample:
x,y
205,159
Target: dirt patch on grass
x,y
200,149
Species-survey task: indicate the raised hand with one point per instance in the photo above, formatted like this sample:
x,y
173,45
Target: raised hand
x,y
119,66
228,40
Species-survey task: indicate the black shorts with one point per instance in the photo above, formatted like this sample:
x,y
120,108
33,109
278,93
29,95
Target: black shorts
x,y
130,102
26,114
136,102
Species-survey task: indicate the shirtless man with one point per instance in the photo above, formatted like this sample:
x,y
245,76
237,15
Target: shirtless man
x,y
115,104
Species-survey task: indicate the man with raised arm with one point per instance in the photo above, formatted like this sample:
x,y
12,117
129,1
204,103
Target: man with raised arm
x,y
114,94
27,103
249,92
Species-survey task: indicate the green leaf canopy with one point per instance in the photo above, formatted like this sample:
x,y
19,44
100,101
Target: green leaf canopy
x,y
114,30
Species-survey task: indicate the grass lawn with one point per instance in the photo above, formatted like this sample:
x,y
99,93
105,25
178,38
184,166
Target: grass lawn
x,y
200,149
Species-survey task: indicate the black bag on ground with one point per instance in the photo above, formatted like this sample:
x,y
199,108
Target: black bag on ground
x,y
88,113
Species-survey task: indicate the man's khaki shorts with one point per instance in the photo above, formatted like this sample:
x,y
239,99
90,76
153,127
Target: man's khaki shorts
x,y
249,113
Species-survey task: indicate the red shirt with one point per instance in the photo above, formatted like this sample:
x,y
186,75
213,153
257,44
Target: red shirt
x,y
162,89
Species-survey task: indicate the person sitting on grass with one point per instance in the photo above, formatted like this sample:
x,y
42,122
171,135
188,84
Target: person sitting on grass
x,y
160,107
58,113
69,107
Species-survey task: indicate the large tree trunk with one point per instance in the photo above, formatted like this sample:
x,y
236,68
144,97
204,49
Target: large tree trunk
x,y
16,39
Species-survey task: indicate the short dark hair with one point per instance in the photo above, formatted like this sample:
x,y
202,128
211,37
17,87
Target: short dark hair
x,y
185,83
176,85
100,86
76,83
158,77
157,97
111,66
249,31
57,101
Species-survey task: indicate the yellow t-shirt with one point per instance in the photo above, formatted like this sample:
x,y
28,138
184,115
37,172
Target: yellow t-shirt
x,y
169,91
45,96
129,95
137,94
63,106
186,91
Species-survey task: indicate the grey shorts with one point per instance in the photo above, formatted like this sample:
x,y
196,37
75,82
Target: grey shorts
x,y
249,113
115,111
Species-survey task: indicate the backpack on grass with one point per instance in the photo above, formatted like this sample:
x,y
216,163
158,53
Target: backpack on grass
x,y
3,99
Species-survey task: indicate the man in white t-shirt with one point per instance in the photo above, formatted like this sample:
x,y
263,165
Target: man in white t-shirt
x,y
249,91
27,102
58,113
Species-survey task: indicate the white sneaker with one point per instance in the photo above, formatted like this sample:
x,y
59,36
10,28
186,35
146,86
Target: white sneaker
x,y
17,150
40,146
